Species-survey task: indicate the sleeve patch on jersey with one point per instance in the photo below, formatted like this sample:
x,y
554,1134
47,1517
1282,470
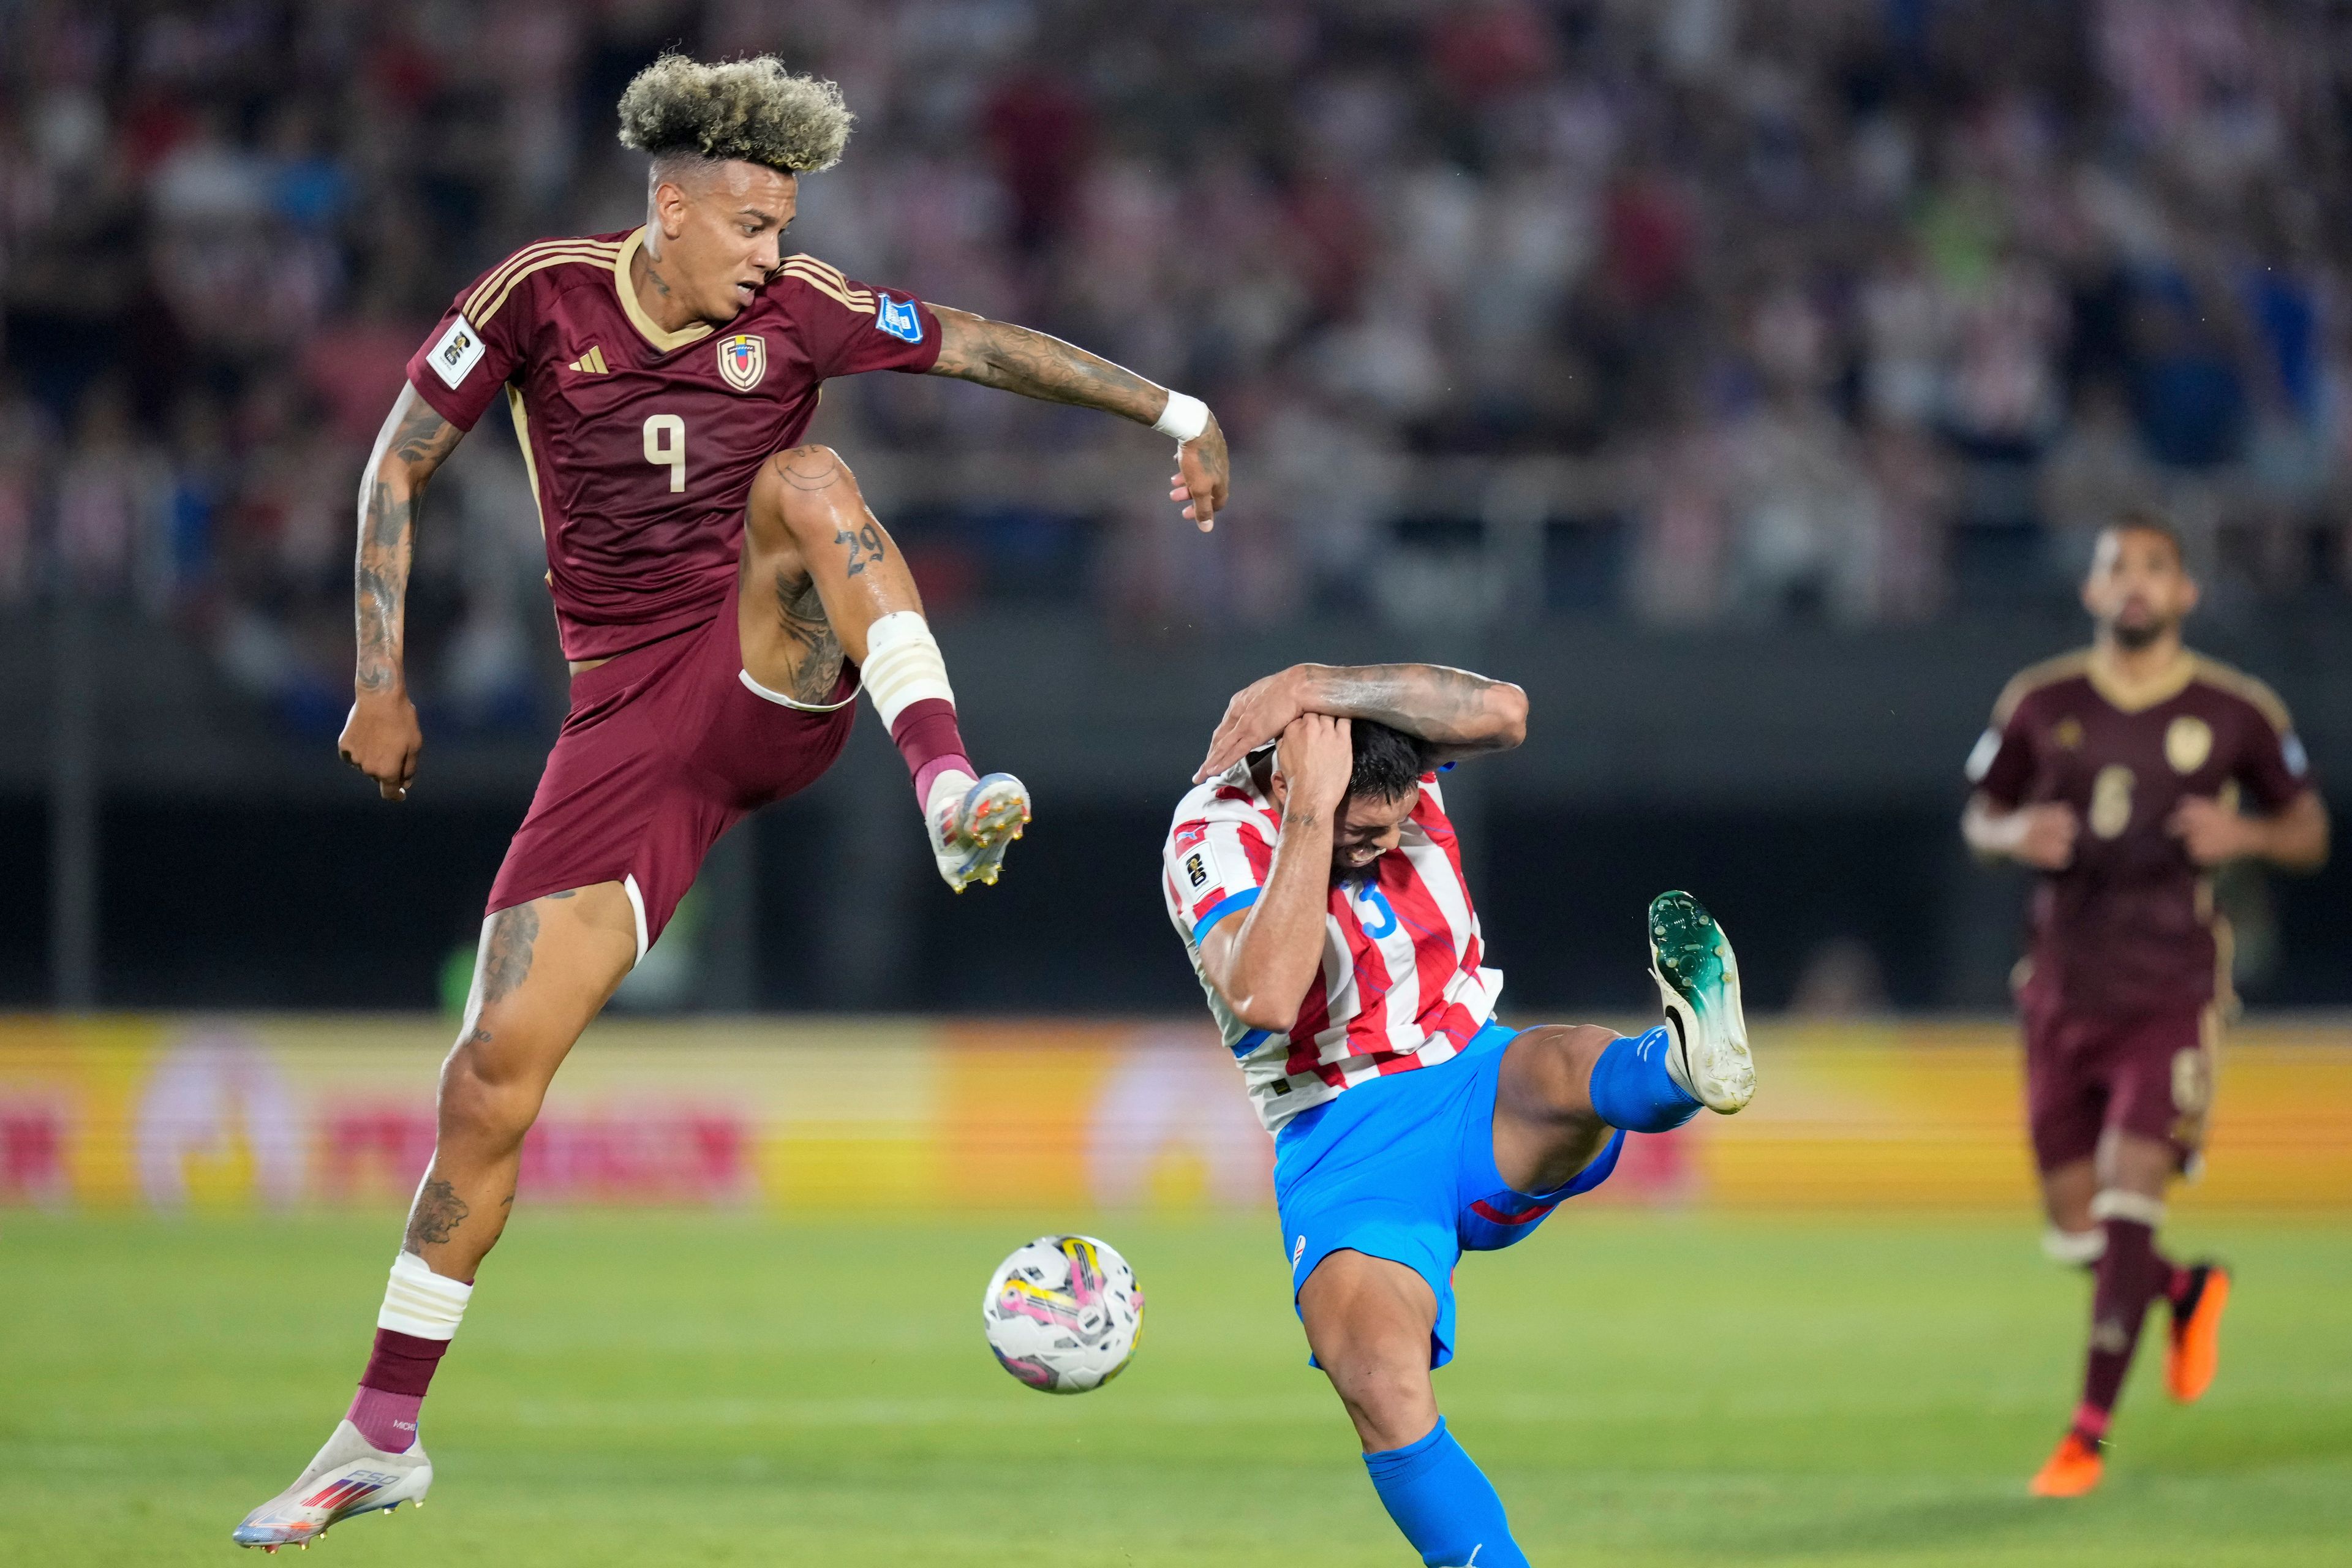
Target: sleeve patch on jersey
x,y
457,353
898,318
1197,870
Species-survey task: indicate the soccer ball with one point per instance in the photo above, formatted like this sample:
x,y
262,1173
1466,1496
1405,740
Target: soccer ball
x,y
1063,1314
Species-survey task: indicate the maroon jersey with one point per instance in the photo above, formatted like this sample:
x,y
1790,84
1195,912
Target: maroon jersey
x,y
2129,926
642,444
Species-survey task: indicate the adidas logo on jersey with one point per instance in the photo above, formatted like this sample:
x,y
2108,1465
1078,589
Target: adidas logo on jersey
x,y
591,362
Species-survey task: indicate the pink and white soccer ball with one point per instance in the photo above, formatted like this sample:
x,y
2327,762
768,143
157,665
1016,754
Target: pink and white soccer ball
x,y
1063,1313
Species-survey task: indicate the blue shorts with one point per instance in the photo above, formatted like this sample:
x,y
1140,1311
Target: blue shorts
x,y
1402,1167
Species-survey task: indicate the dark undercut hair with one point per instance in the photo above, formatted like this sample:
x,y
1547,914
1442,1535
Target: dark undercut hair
x,y
1388,762
680,109
2148,520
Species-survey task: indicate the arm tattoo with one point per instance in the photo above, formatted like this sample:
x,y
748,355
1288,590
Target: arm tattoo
x,y
801,613
507,964
379,584
1432,701
1015,359
387,540
438,1211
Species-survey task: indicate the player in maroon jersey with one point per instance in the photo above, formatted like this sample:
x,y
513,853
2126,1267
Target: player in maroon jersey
x,y
2119,774
722,594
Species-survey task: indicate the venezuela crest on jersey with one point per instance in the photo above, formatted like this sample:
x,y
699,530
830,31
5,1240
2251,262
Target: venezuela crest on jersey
x,y
743,360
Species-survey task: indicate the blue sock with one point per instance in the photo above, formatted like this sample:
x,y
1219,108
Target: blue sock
x,y
1632,1089
1445,1504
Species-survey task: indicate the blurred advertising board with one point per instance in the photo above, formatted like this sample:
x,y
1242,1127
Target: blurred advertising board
x,y
832,1115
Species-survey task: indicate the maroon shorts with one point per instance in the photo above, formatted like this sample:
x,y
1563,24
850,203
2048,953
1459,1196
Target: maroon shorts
x,y
666,749
2150,1074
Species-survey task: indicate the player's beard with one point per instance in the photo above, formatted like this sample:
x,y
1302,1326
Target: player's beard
x,y
2132,639
2146,633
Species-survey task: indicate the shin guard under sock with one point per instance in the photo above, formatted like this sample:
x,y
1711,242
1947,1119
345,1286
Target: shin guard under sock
x,y
909,682
1445,1504
420,1316
2128,1280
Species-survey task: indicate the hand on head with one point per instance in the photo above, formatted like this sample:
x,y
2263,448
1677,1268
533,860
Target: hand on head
x,y
1315,757
1258,713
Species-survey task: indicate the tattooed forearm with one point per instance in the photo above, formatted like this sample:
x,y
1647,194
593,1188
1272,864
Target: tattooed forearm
x,y
799,613
438,1211
1445,706
506,955
412,445
1015,359
379,589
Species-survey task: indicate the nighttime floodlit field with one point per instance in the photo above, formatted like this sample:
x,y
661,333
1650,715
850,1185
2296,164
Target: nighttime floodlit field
x,y
658,1388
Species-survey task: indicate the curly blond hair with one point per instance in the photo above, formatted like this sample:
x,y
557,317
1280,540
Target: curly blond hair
x,y
753,110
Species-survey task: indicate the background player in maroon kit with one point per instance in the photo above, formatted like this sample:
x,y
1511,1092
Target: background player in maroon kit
x,y
2121,773
721,592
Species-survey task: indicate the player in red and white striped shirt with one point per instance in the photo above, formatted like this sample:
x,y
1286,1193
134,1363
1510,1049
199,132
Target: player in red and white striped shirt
x,y
1411,989
1317,886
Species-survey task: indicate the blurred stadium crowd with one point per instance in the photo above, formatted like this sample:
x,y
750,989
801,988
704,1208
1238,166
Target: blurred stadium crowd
x,y
1853,310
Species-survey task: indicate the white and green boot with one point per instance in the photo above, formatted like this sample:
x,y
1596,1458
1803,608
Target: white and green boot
x,y
1699,980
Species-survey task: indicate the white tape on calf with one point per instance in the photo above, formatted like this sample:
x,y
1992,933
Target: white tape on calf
x,y
2116,1203
903,665
2074,1246
420,1302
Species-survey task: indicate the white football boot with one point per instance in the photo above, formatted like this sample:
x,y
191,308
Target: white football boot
x,y
971,824
1699,980
349,1477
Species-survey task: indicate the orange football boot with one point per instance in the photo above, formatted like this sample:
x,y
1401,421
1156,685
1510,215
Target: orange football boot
x,y
2071,1471
2194,1349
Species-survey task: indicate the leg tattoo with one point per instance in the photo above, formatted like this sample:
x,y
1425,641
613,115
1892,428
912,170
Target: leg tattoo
x,y
800,612
864,546
508,963
439,1211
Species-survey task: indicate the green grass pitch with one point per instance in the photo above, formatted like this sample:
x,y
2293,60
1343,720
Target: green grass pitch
x,y
660,1387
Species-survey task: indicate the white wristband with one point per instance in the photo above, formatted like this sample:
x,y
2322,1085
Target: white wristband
x,y
1184,417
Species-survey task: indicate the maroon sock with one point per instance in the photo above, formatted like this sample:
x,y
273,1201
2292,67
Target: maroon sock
x,y
391,1389
2174,1281
2129,1276
927,738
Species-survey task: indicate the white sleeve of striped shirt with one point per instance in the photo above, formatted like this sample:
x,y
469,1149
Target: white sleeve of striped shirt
x,y
1208,866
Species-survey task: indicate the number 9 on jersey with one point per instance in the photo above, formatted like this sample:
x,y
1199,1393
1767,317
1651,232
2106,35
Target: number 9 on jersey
x,y
665,446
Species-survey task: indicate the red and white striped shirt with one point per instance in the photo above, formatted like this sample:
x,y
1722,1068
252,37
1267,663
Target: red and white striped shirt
x,y
1402,983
